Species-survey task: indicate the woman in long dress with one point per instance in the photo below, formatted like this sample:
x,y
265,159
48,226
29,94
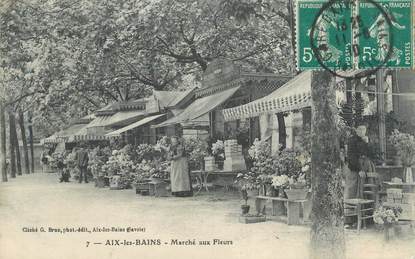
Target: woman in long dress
x,y
179,175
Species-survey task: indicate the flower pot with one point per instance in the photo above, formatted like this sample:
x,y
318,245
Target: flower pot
x,y
245,209
296,194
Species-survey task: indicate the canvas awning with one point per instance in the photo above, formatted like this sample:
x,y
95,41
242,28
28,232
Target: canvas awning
x,y
121,118
51,139
293,95
199,107
134,125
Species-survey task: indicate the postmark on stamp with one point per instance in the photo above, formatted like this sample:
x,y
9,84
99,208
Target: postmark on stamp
x,y
343,36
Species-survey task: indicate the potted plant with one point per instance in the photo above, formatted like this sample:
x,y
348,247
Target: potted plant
x,y
297,188
262,165
405,146
245,207
249,182
218,152
386,217
197,150
280,183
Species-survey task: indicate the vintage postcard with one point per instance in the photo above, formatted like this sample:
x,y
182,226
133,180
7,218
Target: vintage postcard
x,y
158,129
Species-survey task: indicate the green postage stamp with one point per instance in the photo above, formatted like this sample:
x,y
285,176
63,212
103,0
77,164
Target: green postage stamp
x,y
344,35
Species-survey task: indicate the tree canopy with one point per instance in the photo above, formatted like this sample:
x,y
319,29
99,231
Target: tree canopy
x,y
64,59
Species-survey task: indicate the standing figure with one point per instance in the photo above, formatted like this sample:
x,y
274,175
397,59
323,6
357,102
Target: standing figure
x,y
82,163
356,154
179,174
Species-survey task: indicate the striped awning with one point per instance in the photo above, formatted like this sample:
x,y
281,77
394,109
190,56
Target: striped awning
x,y
294,95
51,139
78,138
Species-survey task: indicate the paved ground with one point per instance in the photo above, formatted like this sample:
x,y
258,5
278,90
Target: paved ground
x,y
39,201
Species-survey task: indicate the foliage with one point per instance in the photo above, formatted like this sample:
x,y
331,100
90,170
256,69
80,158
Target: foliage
x,y
144,171
280,181
144,151
286,162
386,215
405,145
97,159
218,148
263,165
248,180
197,149
121,163
55,159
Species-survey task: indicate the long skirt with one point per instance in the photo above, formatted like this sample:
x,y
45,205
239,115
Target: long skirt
x,y
180,178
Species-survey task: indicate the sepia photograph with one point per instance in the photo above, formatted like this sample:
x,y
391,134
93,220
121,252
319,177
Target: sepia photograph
x,y
228,129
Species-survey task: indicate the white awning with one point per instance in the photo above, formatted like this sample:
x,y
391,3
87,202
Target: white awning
x,y
294,95
134,125
200,107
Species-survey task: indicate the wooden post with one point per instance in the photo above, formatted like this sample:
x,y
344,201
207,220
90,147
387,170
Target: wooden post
x,y
3,167
381,112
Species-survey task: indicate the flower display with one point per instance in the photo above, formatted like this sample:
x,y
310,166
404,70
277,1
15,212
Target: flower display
x,y
260,153
248,180
280,181
386,215
405,146
218,148
121,163
145,151
97,159
197,149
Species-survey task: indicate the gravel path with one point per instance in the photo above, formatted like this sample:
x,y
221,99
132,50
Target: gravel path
x,y
158,227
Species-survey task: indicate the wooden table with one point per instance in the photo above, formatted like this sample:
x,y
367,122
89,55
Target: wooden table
x,y
202,177
280,205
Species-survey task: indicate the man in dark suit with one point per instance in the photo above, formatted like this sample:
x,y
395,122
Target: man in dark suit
x,y
82,162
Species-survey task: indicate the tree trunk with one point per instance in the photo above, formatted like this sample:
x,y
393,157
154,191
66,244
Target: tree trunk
x,y
12,149
30,128
16,145
282,132
3,167
24,143
327,229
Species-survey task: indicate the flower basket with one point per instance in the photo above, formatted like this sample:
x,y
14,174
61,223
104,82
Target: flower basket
x,y
296,194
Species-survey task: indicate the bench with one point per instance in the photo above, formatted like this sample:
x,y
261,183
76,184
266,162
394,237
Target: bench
x,y
283,207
